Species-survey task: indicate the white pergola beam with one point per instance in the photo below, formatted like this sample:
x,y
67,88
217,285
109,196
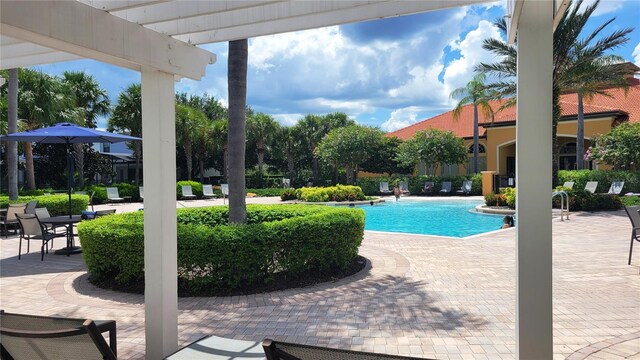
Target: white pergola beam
x,y
36,59
82,30
295,16
184,9
114,5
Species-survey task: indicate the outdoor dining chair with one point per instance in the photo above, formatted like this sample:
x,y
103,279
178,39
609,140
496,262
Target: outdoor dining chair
x,y
42,337
634,215
10,219
33,229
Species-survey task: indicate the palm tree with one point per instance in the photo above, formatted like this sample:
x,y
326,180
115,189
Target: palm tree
x,y
313,131
475,93
127,118
95,102
188,120
565,67
12,127
220,134
203,140
237,81
261,129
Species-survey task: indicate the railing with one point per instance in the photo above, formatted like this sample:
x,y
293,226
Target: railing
x,y
564,203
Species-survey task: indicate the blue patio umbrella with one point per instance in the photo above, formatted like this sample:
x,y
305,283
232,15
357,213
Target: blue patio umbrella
x,y
67,133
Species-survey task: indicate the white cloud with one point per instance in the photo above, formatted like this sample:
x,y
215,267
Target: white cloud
x,y
605,6
287,119
401,118
636,54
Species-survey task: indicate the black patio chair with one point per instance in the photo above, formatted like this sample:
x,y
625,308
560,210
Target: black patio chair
x,y
43,337
9,220
634,216
33,229
276,350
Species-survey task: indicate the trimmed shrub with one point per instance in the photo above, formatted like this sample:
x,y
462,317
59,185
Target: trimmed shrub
x,y
603,177
214,256
493,199
196,188
630,200
288,194
56,204
266,192
510,197
333,193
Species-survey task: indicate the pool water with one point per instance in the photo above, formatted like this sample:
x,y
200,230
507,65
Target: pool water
x,y
435,217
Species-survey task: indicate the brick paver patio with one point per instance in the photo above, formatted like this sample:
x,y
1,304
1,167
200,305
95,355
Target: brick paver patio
x,y
421,295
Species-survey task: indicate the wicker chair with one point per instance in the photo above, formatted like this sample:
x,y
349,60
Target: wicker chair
x,y
42,337
276,350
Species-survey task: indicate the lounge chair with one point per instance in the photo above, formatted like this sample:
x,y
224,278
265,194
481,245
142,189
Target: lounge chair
x,y
568,185
207,192
445,187
31,207
591,186
428,188
141,192
225,191
286,183
10,220
466,187
616,188
634,215
187,192
113,195
42,337
214,347
106,212
33,229
276,350
404,187
384,188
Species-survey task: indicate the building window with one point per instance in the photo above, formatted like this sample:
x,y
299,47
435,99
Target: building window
x,y
481,149
450,170
482,164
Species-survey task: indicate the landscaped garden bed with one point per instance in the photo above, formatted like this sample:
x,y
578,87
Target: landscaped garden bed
x,y
280,246
57,204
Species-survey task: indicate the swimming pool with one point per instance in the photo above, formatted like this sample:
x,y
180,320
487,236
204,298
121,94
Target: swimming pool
x,y
449,217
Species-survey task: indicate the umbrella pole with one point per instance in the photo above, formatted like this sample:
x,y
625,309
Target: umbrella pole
x,y
69,175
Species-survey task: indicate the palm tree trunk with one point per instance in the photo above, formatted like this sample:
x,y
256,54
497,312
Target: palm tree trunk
x,y
580,135
78,155
30,175
201,163
476,139
554,134
291,168
225,163
260,161
237,79
12,146
315,169
188,152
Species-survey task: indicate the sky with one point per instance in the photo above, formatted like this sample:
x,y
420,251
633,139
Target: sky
x,y
387,73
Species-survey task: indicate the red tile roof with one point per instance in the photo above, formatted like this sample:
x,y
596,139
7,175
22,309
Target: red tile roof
x,y
463,126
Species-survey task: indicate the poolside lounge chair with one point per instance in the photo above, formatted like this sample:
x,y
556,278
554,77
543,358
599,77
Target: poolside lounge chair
x,y
404,187
277,350
591,186
568,185
31,207
616,188
106,212
141,192
225,191
207,192
634,215
33,229
428,188
465,188
384,188
445,187
42,337
286,183
10,220
187,192
113,195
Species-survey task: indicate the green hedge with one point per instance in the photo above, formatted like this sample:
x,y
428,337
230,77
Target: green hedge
x,y
578,200
371,185
332,193
266,192
630,200
603,177
214,256
56,204
124,189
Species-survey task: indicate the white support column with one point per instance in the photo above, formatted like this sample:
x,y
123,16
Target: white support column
x,y
160,233
534,317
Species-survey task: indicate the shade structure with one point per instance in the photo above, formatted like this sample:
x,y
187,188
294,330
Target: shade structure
x,y
67,133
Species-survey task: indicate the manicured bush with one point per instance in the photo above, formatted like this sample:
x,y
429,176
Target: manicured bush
x,y
630,200
196,188
493,199
603,177
332,193
510,197
288,194
56,204
99,193
266,192
214,256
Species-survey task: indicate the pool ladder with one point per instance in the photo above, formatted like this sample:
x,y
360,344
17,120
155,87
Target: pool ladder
x,y
564,203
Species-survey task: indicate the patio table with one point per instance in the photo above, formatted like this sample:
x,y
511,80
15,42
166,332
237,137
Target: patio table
x,y
68,222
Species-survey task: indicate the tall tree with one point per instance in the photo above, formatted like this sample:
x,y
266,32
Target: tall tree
x,y
12,146
94,100
433,148
203,142
477,94
237,81
188,122
220,132
261,129
565,68
127,118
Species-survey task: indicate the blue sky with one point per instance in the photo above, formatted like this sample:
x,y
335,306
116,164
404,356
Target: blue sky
x,y
386,73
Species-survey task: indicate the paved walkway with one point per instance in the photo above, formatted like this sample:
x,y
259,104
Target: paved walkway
x,y
422,296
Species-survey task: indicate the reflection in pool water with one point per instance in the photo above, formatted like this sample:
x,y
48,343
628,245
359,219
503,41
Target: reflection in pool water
x,y
450,217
